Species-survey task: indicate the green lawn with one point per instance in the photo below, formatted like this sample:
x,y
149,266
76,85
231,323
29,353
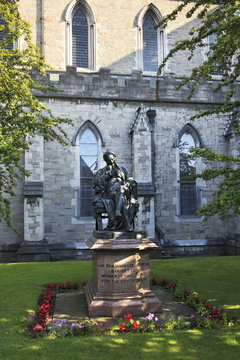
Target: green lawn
x,y
217,279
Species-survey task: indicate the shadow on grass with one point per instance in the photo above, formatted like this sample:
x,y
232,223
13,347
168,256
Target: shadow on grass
x,y
188,345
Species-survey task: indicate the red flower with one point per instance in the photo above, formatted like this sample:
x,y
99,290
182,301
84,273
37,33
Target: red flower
x,y
135,325
84,283
128,317
122,327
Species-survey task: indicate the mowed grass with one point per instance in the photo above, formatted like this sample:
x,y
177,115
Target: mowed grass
x,y
217,279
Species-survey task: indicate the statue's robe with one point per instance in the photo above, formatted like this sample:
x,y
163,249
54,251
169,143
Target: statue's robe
x,y
105,184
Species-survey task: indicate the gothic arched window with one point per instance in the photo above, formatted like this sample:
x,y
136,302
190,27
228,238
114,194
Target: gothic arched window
x,y
80,39
88,166
80,35
189,191
151,40
150,44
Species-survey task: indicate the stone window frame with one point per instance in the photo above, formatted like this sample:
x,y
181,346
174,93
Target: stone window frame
x,y
88,124
70,11
161,36
188,128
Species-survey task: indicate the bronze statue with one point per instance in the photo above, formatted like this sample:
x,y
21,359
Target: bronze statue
x,y
116,190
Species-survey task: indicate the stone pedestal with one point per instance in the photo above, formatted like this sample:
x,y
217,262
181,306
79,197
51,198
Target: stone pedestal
x,y
30,251
121,275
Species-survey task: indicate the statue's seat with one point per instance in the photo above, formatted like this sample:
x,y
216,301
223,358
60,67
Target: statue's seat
x,y
100,213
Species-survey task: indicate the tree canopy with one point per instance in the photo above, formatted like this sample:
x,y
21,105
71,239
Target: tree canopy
x,y
22,115
218,33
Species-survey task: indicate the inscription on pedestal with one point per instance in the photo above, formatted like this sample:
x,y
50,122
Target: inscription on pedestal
x,y
124,274
121,273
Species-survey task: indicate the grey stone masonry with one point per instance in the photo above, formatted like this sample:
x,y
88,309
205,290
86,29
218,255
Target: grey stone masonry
x,y
142,165
33,192
104,85
126,117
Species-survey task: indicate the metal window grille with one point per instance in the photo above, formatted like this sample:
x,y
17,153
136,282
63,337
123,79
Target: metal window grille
x,y
190,197
86,193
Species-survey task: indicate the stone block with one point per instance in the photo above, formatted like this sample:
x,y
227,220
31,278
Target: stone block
x,y
33,251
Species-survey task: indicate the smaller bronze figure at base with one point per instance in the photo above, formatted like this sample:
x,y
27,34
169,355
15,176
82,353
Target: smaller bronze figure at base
x,y
116,191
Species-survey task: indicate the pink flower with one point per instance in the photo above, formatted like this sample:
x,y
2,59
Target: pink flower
x,y
38,327
149,317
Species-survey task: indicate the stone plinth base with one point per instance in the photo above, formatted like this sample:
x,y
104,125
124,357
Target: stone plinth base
x,y
30,251
120,304
121,282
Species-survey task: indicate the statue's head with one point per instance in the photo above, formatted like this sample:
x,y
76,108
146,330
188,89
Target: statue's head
x,y
109,157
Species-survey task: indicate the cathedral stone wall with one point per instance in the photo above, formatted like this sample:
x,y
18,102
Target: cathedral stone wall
x,y
114,118
111,103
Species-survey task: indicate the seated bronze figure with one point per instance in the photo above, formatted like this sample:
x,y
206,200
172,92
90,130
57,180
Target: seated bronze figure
x,y
116,194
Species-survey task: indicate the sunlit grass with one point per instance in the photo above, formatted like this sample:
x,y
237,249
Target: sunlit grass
x,y
228,307
4,320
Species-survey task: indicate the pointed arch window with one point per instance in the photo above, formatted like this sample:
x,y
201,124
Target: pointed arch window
x,y
88,166
150,44
189,191
151,40
80,35
80,39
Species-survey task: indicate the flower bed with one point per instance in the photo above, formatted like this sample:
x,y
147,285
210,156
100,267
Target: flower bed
x,y
46,304
207,316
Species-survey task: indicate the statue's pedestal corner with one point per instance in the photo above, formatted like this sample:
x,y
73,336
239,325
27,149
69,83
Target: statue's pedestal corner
x,y
118,304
